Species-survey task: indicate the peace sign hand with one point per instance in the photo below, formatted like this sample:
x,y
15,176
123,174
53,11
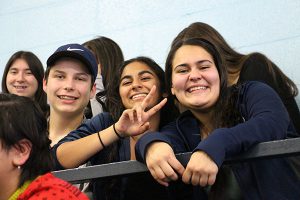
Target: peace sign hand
x,y
135,121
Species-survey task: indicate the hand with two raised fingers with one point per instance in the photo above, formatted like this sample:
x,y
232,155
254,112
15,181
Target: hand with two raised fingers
x,y
200,170
162,163
135,121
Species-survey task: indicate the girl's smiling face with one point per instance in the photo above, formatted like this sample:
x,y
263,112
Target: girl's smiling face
x,y
20,80
195,78
137,80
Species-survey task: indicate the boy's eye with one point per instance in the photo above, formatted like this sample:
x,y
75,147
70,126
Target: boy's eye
x,y
58,76
81,79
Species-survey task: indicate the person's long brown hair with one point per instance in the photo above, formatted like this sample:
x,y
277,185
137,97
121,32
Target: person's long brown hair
x,y
233,59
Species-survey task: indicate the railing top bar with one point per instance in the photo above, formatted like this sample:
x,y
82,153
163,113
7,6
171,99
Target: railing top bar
x,y
279,148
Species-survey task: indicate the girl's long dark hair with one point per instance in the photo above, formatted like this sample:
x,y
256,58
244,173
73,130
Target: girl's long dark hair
x,y
110,56
233,59
114,104
36,68
224,93
225,113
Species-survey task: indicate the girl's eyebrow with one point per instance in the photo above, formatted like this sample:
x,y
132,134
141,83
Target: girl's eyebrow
x,y
13,68
125,77
145,72
140,73
203,61
198,62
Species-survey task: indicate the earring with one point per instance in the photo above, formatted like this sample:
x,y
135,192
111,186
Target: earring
x,y
19,167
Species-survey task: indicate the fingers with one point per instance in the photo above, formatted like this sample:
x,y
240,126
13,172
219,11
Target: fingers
x,y
197,179
164,183
157,107
141,129
169,172
159,175
149,96
201,170
211,179
131,115
163,173
162,163
134,114
138,111
176,165
186,177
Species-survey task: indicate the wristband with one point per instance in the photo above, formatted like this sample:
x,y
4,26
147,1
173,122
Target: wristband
x,y
103,146
118,134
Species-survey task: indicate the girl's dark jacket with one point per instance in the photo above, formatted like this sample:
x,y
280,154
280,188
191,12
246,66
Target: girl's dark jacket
x,y
266,119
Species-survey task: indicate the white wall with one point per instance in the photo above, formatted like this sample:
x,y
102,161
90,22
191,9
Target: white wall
x,y
147,28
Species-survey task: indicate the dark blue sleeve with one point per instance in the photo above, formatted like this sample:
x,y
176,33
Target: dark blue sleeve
x,y
167,134
266,120
96,124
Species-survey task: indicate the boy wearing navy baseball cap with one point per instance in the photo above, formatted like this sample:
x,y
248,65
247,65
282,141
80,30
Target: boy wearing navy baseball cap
x,y
69,83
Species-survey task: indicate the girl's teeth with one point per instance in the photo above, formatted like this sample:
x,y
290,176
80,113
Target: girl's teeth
x,y
197,88
138,96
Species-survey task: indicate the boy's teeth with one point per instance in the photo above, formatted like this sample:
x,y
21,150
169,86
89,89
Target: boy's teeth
x,y
67,97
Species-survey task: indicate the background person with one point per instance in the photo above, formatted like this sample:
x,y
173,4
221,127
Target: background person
x,y
109,58
23,75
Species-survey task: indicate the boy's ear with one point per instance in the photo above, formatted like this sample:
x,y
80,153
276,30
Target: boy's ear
x,y
21,152
44,84
93,91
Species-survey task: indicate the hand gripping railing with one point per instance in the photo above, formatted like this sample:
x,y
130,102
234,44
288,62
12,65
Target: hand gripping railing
x,y
278,148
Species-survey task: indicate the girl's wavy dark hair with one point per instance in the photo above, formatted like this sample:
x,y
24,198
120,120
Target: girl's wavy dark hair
x,y
22,118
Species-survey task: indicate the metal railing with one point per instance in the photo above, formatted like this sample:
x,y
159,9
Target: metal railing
x,y
272,149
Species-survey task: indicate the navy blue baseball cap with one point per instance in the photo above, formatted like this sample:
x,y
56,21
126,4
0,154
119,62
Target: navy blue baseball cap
x,y
76,51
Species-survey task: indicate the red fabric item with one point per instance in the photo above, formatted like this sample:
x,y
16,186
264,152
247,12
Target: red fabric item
x,y
49,187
